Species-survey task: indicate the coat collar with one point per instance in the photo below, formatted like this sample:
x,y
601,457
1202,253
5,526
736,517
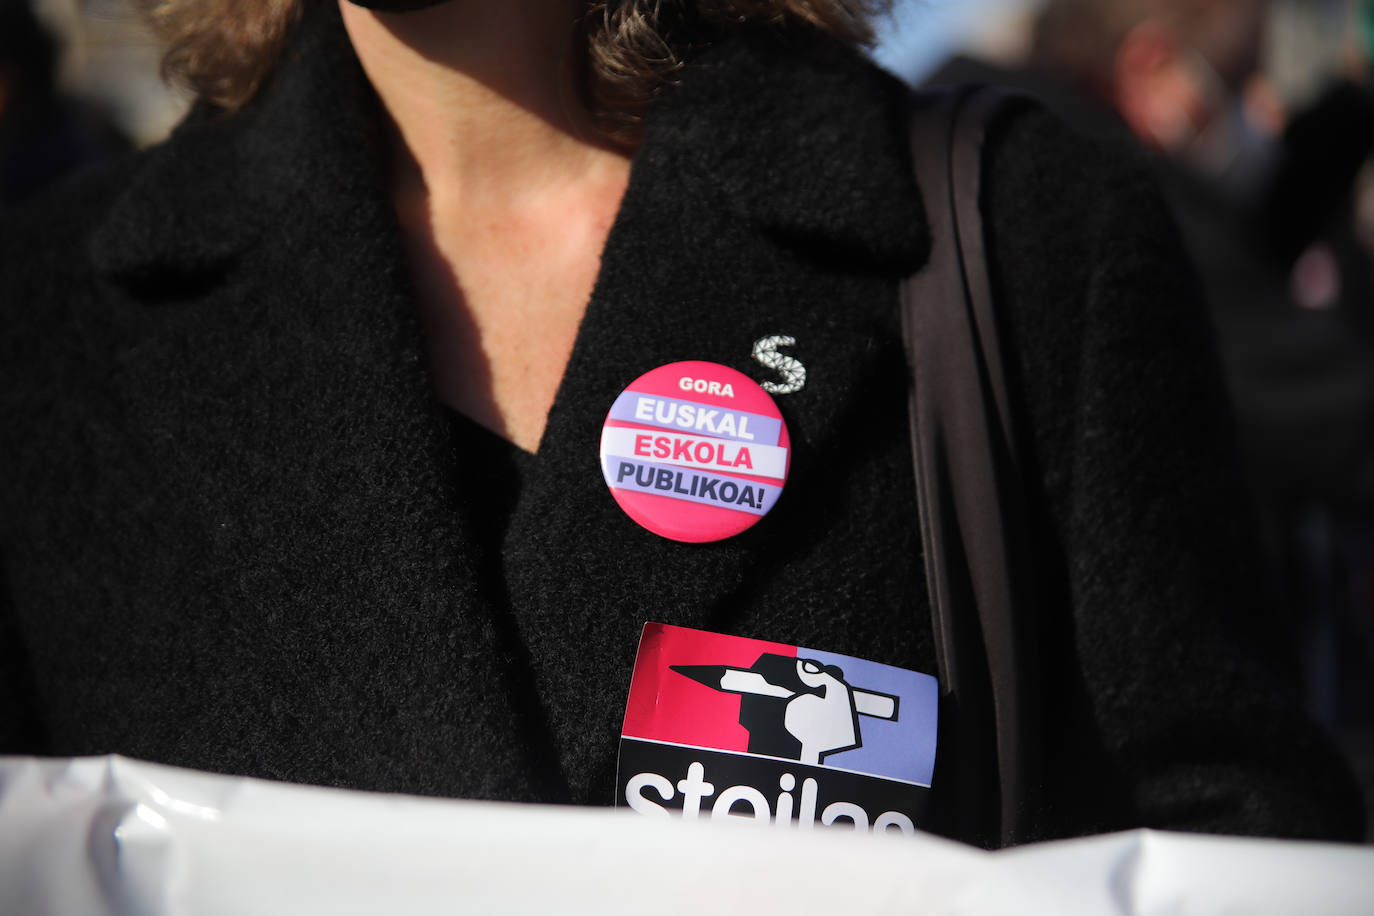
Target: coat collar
x,y
781,127
777,126
216,187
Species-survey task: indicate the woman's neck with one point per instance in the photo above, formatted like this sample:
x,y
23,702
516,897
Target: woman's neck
x,y
504,190
484,95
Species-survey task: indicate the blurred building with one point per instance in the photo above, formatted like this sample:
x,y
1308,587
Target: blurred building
x,y
112,62
46,132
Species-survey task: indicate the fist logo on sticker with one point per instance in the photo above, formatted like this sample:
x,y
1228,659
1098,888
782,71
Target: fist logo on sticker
x,y
695,451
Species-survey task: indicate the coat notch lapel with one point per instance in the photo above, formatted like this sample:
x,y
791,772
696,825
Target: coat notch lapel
x,y
219,185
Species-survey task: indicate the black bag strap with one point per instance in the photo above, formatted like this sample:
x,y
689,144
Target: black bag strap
x,y
969,489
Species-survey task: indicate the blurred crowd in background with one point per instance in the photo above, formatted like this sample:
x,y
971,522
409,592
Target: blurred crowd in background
x,y
1259,117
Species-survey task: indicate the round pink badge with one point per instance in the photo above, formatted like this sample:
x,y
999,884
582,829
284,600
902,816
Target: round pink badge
x,y
695,451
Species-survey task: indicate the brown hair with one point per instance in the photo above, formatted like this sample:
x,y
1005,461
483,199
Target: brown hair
x,y
225,49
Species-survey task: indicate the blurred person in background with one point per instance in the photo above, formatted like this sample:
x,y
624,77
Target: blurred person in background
x,y
301,410
1267,203
44,134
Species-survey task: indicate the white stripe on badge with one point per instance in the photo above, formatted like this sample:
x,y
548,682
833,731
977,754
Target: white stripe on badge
x,y
721,455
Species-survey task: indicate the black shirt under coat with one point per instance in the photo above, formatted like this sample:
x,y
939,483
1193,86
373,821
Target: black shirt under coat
x,y
237,535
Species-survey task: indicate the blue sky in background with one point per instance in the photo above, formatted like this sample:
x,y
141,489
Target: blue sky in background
x,y
920,34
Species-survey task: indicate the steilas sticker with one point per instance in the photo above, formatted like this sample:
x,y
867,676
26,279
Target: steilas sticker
x,y
723,727
695,451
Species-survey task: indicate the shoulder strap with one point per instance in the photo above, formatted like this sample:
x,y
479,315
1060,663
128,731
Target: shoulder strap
x,y
968,480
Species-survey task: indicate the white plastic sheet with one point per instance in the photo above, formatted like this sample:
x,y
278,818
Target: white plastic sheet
x,y
115,836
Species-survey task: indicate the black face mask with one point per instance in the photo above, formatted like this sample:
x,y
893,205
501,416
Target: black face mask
x,y
395,6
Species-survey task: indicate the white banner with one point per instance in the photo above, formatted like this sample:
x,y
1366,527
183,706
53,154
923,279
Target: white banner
x,y
112,836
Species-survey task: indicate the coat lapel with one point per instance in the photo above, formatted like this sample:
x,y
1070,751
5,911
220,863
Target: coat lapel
x,y
272,353
749,213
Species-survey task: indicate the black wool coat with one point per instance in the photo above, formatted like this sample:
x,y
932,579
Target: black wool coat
x,y
238,530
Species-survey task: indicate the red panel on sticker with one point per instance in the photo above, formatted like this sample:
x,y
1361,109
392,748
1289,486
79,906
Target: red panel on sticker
x,y
665,705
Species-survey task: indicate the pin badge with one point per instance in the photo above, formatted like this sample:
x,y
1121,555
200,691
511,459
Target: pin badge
x,y
695,451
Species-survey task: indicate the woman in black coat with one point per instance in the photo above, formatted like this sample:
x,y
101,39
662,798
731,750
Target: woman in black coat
x,y
299,475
